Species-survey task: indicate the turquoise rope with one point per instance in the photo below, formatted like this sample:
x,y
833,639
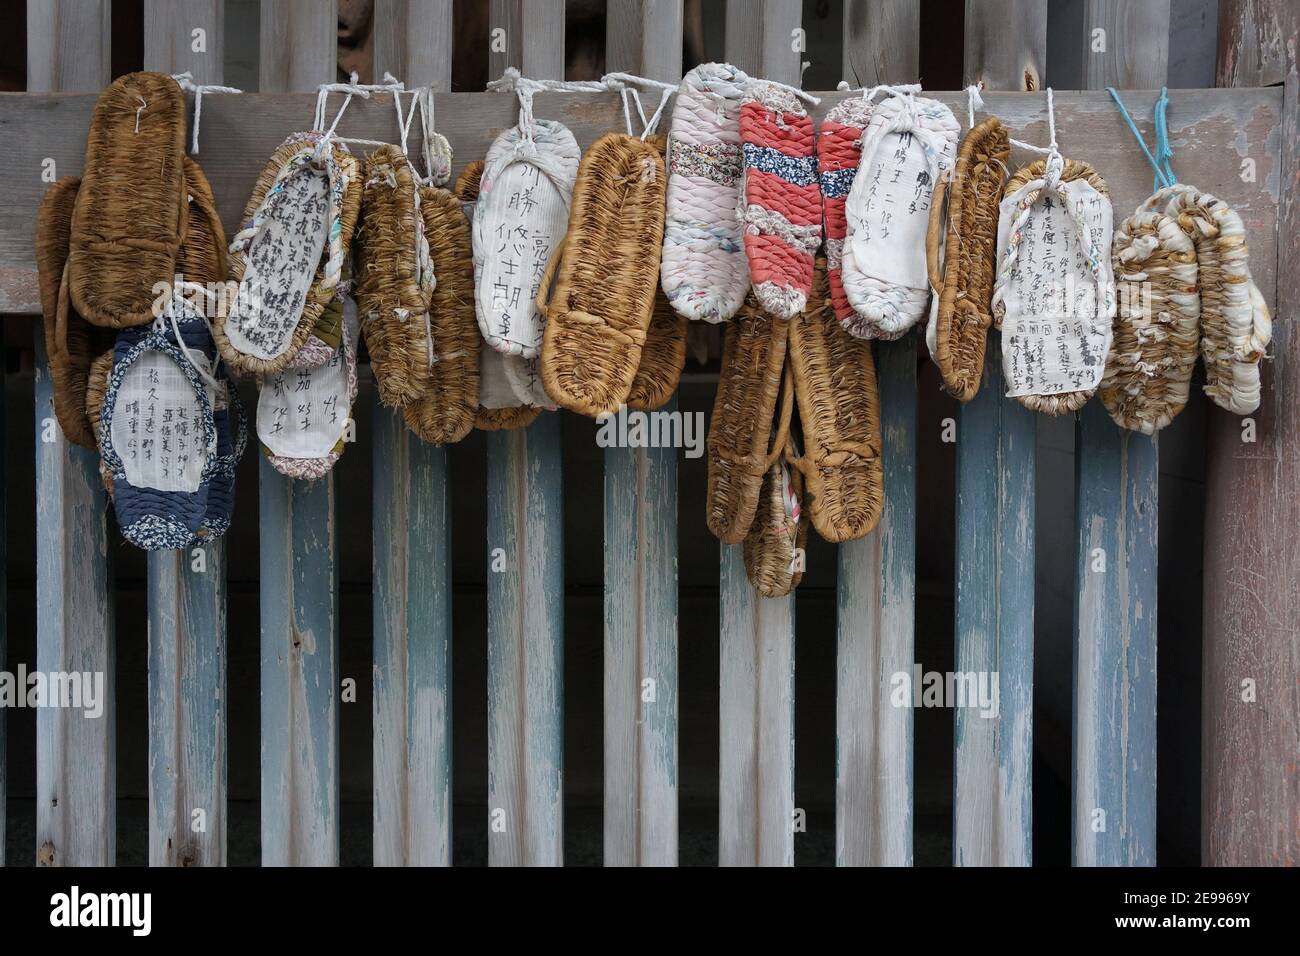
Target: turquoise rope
x,y
1160,162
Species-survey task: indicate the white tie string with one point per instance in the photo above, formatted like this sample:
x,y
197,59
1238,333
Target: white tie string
x,y
973,102
186,83
1051,131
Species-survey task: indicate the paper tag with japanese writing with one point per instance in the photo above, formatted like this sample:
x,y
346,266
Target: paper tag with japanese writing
x,y
157,427
303,413
1056,329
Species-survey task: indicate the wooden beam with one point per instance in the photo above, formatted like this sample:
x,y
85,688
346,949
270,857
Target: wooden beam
x,y
76,754
1250,711
1116,515
171,38
412,552
877,574
1006,46
640,742
299,45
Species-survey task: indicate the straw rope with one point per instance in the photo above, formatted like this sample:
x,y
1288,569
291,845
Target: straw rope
x,y
96,388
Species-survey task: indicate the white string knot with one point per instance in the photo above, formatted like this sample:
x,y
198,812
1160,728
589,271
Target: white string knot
x,y
140,109
1051,149
973,102
186,82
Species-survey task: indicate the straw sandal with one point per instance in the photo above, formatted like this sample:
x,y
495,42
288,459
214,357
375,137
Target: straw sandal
x,y
520,217
1236,327
839,412
303,415
71,343
598,290
909,142
704,270
779,532
961,250
1054,350
839,149
753,356
296,233
129,220
782,196
394,277
445,412
1157,324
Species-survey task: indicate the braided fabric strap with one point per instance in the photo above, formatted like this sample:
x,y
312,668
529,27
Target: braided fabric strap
x,y
782,196
703,270
1055,336
909,142
839,150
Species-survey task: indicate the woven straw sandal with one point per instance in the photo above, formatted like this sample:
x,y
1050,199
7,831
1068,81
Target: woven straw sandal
x,y
394,277
445,412
96,387
839,412
1051,368
289,254
909,142
704,270
782,196
839,149
520,217
1157,323
71,343
1236,327
303,415
598,290
753,356
129,220
779,531
961,252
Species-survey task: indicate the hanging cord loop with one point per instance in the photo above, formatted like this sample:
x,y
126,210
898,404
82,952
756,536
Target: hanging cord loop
x,y
628,83
1164,174
186,82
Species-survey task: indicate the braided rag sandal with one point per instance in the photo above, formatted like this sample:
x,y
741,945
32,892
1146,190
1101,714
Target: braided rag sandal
x,y
839,411
1236,327
704,270
1055,334
1153,349
394,277
598,289
753,356
839,149
71,343
783,199
961,250
288,256
129,220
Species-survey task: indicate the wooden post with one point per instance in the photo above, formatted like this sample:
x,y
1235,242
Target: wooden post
x,y
1006,45
525,543
4,605
299,555
412,551
76,755
756,759
1250,711
187,590
1116,515
877,574
643,37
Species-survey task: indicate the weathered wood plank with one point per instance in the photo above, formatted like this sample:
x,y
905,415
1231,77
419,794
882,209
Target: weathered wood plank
x,y
525,593
413,41
875,611
1116,514
76,754
4,606
299,572
533,38
1251,645
1006,43
170,38
239,132
640,744
760,35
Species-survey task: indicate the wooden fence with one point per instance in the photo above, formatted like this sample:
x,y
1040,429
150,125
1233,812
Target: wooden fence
x,y
1115,634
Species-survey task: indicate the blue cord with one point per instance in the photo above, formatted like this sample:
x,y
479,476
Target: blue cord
x,y
1164,175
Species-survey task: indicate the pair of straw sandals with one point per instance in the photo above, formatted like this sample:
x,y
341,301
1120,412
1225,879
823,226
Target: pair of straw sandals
x,y
125,255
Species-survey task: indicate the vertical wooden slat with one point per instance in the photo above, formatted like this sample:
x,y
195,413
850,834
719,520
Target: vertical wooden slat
x,y
756,765
877,574
412,552
299,554
1250,708
1116,485
642,37
1006,46
526,590
4,605
187,590
76,774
